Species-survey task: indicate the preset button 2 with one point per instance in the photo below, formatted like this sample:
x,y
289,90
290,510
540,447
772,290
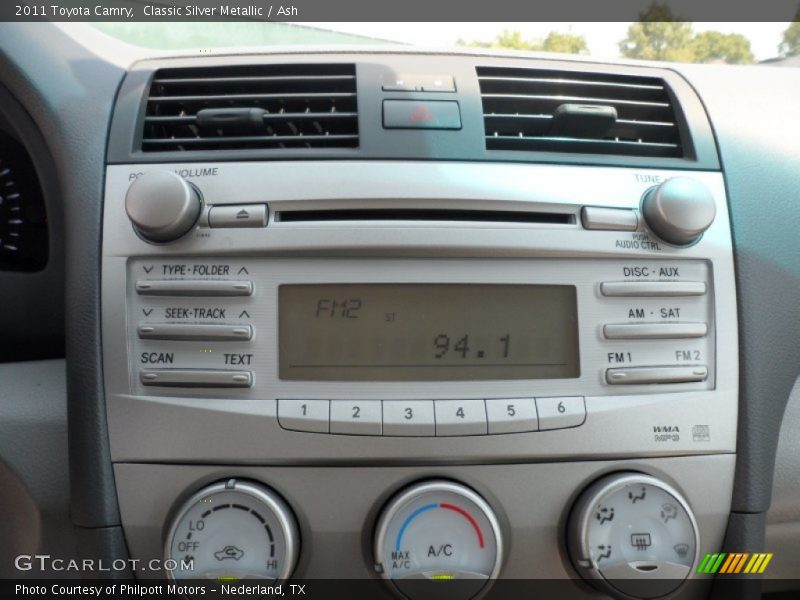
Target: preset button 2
x,y
356,417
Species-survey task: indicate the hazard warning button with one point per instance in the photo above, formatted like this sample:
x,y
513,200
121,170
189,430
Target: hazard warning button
x,y
421,114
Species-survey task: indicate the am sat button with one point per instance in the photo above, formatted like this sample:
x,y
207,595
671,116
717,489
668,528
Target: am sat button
x,y
421,114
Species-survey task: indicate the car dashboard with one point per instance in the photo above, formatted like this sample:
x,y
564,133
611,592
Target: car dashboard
x,y
395,316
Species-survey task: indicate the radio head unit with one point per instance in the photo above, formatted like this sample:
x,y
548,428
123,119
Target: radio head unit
x,y
440,301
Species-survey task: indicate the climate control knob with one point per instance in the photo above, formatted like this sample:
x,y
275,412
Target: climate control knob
x,y
633,535
435,531
679,210
162,206
233,530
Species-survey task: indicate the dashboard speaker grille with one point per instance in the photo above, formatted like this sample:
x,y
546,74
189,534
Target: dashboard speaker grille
x,y
523,109
255,106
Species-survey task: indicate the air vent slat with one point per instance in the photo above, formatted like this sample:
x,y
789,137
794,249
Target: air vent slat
x,y
581,99
267,117
269,139
303,106
539,126
571,82
519,104
253,79
233,97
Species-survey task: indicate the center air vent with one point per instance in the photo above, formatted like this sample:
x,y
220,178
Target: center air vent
x,y
248,107
571,111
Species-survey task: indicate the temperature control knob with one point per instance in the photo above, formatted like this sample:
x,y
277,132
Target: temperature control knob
x,y
233,530
434,531
162,206
679,210
633,535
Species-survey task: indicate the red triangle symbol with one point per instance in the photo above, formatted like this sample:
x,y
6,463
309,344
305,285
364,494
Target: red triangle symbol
x,y
421,113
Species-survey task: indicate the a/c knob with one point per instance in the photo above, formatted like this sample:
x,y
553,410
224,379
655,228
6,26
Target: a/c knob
x,y
679,210
162,206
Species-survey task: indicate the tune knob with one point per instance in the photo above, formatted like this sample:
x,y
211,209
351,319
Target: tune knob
x,y
679,210
162,206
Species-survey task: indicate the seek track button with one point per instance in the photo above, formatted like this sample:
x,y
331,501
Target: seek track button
x,y
195,332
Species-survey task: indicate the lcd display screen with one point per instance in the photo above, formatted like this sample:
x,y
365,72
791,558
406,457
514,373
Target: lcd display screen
x,y
427,332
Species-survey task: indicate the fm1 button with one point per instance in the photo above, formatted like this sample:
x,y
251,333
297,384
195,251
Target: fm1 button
x,y
560,413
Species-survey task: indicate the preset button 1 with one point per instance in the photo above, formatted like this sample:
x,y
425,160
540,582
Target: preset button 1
x,y
304,415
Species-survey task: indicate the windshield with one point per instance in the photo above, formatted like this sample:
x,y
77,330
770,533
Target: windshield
x,y
649,39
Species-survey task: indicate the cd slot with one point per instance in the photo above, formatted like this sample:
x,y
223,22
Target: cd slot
x,y
423,214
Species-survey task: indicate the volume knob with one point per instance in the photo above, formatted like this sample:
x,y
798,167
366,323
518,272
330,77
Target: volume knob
x,y
162,206
679,210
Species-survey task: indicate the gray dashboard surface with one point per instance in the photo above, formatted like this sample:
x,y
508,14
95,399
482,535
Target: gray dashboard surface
x,y
783,519
69,92
33,463
761,160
